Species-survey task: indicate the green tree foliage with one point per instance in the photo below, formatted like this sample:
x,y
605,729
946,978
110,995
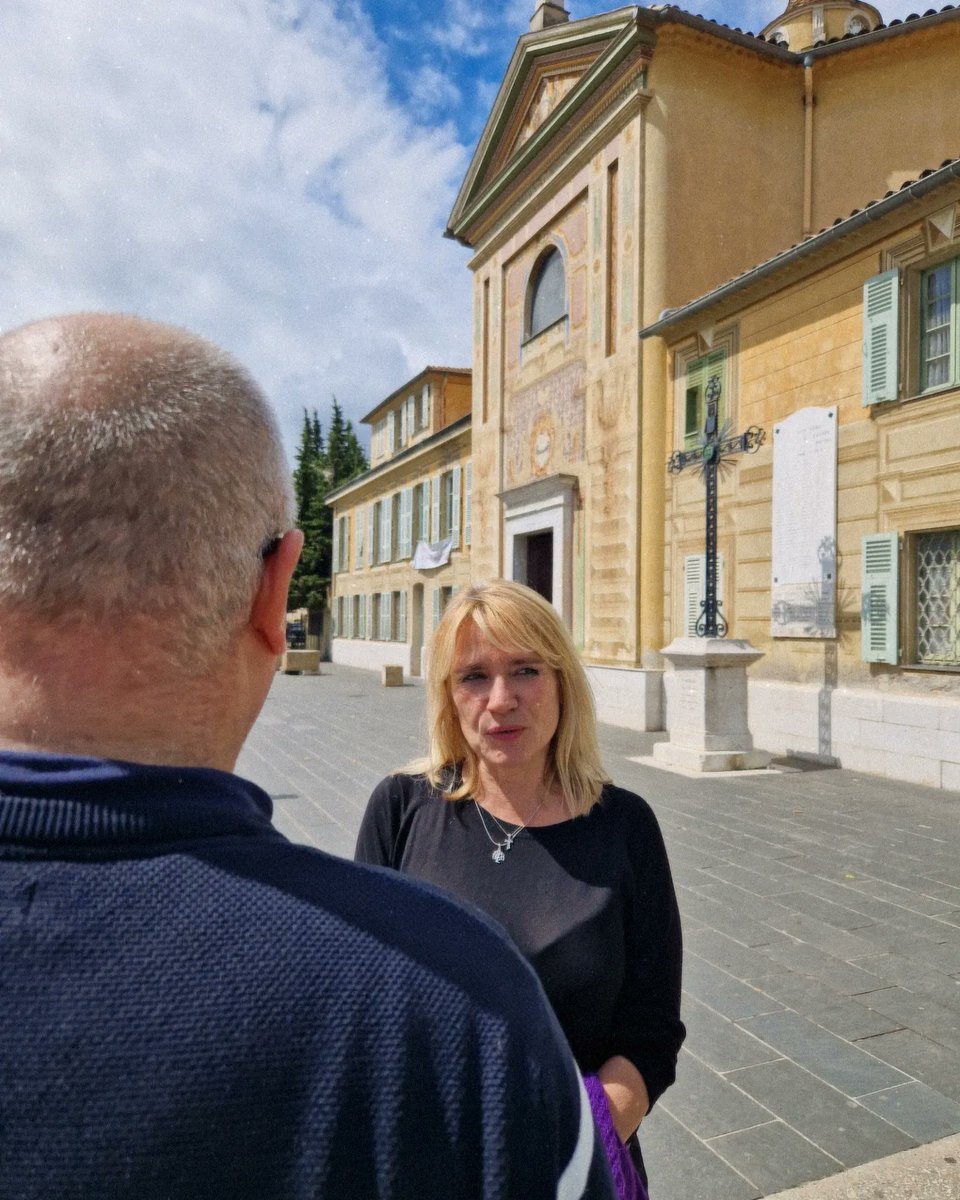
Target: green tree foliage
x,y
321,467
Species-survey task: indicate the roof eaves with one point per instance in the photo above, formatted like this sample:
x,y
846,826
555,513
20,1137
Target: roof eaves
x,y
412,383
914,189
447,433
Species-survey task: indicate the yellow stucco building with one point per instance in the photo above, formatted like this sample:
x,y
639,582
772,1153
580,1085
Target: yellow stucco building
x,y
633,164
402,529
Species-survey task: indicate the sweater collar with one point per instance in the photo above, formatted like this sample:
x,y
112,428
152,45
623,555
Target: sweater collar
x,y
49,800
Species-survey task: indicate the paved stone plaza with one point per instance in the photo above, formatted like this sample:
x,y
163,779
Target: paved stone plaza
x,y
821,914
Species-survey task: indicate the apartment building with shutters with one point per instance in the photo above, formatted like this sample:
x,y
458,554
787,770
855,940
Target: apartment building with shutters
x,y
845,350
402,530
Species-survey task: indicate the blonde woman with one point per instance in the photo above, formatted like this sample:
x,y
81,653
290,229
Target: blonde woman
x,y
512,811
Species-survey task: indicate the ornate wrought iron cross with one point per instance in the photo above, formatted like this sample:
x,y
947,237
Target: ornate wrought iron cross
x,y
716,448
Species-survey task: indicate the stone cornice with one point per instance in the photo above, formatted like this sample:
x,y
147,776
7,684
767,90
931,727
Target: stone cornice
x,y
619,102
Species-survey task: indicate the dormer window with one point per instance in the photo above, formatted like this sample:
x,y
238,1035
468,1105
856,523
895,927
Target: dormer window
x,y
547,298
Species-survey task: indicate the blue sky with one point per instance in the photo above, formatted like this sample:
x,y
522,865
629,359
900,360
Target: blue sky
x,y
273,174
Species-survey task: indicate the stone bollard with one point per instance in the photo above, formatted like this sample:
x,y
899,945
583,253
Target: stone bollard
x,y
392,676
294,662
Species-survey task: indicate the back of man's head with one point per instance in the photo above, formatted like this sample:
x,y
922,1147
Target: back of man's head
x,y
141,473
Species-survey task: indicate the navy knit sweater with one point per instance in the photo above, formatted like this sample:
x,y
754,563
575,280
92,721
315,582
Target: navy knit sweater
x,y
190,1006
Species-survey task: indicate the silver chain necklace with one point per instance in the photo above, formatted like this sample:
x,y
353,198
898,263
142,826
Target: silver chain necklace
x,y
500,848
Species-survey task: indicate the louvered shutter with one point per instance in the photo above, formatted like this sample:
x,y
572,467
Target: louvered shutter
x,y
454,522
335,550
406,523
386,529
371,632
435,513
468,502
694,575
879,598
880,341
436,607
695,590
371,532
401,616
358,539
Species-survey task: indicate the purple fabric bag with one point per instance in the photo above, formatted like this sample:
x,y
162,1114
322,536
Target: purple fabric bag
x,y
626,1178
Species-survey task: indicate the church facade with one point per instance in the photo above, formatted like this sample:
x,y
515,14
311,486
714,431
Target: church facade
x,y
648,171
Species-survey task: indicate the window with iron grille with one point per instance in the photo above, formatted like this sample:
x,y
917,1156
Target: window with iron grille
x,y
938,597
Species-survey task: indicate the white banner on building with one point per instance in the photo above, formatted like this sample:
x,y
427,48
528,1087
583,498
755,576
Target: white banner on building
x,y
432,554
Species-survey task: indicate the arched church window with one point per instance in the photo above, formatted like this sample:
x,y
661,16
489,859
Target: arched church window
x,y
548,293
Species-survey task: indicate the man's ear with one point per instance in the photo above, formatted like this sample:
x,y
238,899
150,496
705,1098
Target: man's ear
x,y
268,614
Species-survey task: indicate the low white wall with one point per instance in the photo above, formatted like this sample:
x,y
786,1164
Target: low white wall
x,y
631,699
369,655
913,738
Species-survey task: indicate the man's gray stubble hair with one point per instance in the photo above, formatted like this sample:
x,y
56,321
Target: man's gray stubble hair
x,y
139,477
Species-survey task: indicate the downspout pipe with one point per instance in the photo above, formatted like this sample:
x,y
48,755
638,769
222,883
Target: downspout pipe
x,y
808,103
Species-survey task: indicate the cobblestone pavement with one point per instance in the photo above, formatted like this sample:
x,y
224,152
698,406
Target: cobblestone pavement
x,y
821,914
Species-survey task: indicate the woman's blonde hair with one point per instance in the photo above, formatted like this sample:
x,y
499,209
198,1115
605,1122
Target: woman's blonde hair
x,y
513,617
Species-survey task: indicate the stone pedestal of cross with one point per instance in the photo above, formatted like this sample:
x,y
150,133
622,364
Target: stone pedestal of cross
x,y
706,691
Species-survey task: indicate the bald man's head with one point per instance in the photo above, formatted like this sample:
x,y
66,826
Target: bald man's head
x,y
140,473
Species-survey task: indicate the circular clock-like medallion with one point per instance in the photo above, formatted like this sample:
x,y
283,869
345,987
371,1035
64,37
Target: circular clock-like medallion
x,y
542,438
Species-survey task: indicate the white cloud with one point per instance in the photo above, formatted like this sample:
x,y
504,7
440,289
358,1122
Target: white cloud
x,y
432,92
237,167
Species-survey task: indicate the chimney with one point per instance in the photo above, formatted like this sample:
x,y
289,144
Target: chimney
x,y
549,12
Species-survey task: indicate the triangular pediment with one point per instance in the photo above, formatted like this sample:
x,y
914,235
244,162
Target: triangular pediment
x,y
551,74
548,83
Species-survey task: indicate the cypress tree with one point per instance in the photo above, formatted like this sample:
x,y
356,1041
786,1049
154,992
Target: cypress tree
x,y
320,468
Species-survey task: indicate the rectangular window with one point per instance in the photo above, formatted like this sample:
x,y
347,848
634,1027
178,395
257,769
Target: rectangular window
x,y
446,504
422,520
358,525
698,375
400,616
361,625
405,523
613,255
386,617
937,594
343,541
385,533
425,406
441,598
939,326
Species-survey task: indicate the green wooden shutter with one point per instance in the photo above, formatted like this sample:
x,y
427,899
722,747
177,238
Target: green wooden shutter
x,y
435,514
386,529
454,522
880,337
879,596
693,583
401,616
695,590
436,607
468,502
371,632
359,533
406,523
